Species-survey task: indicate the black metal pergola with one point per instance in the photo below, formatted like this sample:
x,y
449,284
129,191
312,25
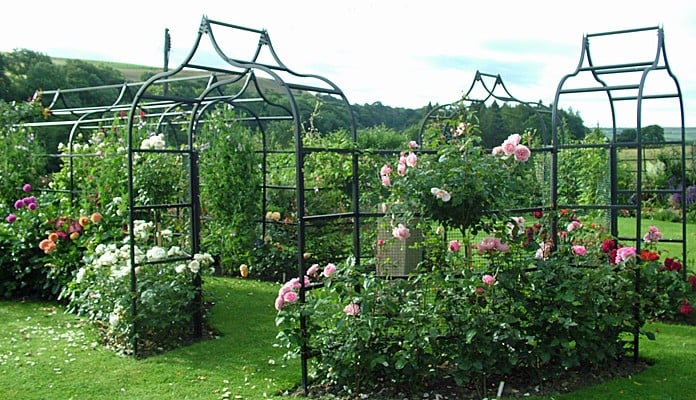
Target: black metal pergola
x,y
618,84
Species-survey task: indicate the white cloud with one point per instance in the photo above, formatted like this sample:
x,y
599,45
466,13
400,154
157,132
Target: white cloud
x,y
393,52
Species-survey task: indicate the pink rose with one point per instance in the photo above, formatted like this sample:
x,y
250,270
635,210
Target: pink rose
x,y
386,181
625,254
401,168
329,270
290,297
522,153
488,279
401,232
509,147
313,270
579,250
385,170
652,235
573,225
352,309
515,138
411,159
454,246
279,303
413,144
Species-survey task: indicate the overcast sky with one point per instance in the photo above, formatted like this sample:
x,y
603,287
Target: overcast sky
x,y
401,53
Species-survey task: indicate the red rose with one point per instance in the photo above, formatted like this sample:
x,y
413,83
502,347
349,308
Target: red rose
x,y
608,245
692,281
647,255
686,308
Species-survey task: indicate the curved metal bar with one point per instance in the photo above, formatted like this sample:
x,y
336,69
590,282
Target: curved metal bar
x,y
490,93
213,94
644,68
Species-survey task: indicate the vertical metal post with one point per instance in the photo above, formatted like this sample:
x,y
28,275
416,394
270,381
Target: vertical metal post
x,y
165,68
195,244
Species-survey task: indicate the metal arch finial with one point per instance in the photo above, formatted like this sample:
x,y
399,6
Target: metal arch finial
x,y
264,38
205,25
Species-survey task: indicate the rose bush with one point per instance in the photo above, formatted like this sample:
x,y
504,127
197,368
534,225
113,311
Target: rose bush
x,y
505,297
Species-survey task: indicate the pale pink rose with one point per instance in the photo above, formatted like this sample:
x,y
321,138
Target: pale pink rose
x,y
455,246
502,247
294,283
573,225
290,297
313,270
352,309
509,147
522,153
543,252
488,279
329,270
497,150
579,250
385,170
486,244
490,244
279,303
515,138
411,159
652,235
441,194
386,181
401,168
413,144
625,254
401,232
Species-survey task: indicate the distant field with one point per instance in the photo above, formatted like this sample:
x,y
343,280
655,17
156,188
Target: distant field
x,y
671,133
131,72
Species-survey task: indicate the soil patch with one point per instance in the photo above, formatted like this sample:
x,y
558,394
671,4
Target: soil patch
x,y
510,386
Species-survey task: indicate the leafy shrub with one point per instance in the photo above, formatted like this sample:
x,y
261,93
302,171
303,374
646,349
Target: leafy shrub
x,y
518,309
165,304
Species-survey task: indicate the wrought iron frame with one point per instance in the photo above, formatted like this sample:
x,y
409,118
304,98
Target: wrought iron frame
x,y
634,91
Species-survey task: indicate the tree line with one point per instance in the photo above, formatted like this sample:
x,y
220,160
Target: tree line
x,y
23,72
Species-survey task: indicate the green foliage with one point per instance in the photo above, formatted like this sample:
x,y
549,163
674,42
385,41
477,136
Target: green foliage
x,y
25,72
165,294
457,322
23,158
461,183
649,134
583,172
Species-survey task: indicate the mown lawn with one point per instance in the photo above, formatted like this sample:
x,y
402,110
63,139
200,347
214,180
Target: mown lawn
x,y
47,354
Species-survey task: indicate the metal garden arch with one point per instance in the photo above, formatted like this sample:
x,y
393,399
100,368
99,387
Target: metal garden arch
x,y
624,83
238,84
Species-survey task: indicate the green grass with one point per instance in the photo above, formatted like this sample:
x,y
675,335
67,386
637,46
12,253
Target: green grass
x,y
670,230
670,377
47,354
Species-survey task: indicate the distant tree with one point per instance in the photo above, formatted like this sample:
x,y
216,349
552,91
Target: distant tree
x,y
17,65
652,134
649,134
492,124
627,135
4,78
